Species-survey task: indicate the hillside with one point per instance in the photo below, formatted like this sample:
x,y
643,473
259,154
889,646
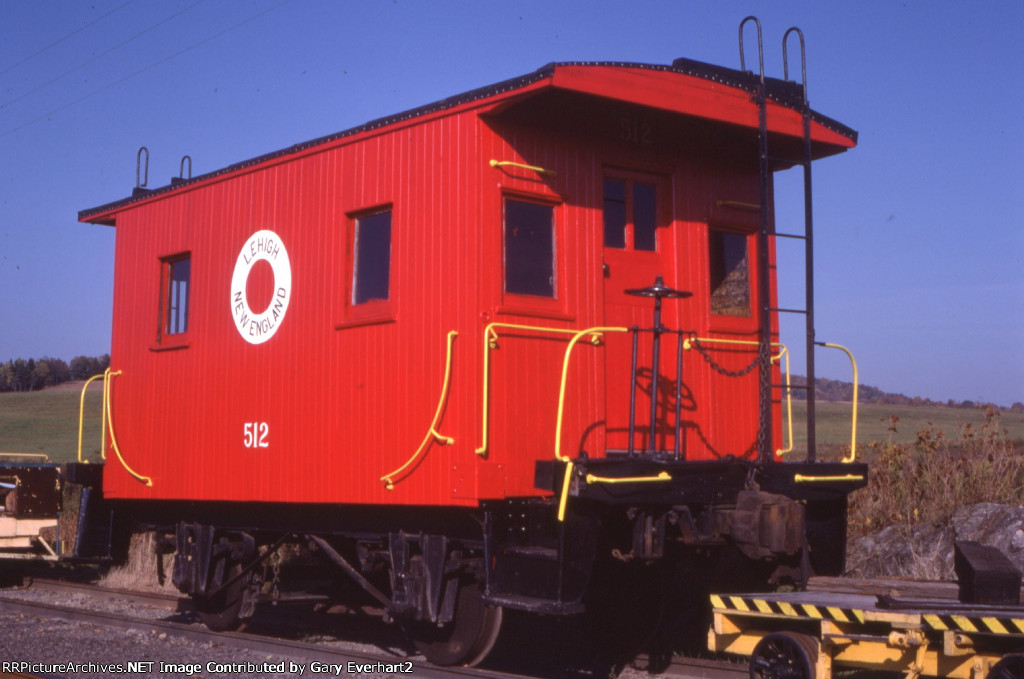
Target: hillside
x,y
837,391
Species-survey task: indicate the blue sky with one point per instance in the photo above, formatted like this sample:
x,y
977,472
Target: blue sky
x,y
919,231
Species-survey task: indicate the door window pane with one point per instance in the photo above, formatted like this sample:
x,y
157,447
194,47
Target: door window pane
x,y
630,215
645,217
614,214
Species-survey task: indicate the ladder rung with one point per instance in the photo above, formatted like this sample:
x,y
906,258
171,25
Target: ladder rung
x,y
790,311
790,235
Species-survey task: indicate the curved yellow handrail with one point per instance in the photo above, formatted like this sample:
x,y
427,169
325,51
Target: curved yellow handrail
x,y
789,404
522,166
81,419
565,375
491,342
853,428
432,433
594,333
783,353
107,388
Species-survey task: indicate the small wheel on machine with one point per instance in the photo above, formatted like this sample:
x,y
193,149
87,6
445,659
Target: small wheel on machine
x,y
1009,667
784,655
468,638
220,612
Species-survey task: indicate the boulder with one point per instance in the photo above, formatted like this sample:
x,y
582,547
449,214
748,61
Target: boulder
x,y
925,551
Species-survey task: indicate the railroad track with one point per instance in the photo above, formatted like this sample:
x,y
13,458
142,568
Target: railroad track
x,y
305,653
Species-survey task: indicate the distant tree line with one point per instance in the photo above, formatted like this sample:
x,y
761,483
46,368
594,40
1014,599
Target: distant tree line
x,y
839,391
36,373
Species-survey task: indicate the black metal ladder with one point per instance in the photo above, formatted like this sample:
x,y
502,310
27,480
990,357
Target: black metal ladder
x,y
767,231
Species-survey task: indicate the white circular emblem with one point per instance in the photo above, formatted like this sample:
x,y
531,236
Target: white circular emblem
x,y
258,328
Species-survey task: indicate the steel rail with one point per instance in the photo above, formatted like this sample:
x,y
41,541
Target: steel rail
x,y
679,667
240,640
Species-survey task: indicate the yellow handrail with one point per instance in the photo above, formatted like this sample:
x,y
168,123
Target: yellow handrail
x,y
81,419
432,433
783,352
107,388
565,375
522,166
853,428
801,478
595,333
491,342
789,405
662,476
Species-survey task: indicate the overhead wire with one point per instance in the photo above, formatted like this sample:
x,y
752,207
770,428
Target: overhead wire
x,y
60,40
142,70
100,55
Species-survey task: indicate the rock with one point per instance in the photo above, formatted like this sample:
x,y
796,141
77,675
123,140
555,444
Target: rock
x,y
993,525
925,551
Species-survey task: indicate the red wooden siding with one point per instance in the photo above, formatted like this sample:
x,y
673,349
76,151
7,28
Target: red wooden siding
x,y
348,392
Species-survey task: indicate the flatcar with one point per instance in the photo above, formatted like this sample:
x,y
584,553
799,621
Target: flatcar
x,y
512,350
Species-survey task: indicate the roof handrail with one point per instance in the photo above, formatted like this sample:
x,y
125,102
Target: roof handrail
x,y
760,47
803,59
138,165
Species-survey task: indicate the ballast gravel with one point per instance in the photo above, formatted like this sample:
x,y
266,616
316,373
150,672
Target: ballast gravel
x,y
57,648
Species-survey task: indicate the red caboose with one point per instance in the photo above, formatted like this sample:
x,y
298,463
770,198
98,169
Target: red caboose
x,y
483,349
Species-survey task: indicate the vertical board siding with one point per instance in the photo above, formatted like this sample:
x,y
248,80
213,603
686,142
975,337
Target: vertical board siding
x,y
346,400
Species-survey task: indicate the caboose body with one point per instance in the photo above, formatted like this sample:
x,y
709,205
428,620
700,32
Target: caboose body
x,y
282,326
481,347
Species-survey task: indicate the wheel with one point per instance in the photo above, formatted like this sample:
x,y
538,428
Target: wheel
x,y
1010,667
468,638
220,612
784,655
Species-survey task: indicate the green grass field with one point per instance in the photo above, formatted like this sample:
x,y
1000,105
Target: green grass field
x,y
47,422
874,422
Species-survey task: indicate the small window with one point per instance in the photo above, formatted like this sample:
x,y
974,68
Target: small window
x,y
630,215
730,273
177,275
529,248
371,268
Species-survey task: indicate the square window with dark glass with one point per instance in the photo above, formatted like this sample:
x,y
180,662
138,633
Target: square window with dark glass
x,y
371,268
529,248
177,283
729,273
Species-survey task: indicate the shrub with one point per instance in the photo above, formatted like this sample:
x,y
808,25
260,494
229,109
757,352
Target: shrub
x,y
927,480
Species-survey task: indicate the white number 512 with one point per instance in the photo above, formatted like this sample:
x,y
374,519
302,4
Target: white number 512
x,y
256,435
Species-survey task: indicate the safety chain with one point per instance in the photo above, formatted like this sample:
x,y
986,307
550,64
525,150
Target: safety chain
x,y
714,364
764,361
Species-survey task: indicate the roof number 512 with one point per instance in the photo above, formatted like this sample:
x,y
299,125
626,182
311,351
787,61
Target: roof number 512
x,y
256,435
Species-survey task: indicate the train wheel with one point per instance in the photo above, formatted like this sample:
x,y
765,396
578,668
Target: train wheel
x,y
784,655
220,612
468,638
1010,667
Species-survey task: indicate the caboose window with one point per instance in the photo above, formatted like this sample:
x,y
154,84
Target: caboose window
x,y
630,215
529,248
371,270
730,273
177,276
